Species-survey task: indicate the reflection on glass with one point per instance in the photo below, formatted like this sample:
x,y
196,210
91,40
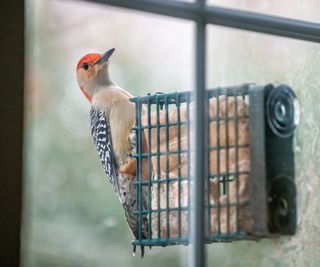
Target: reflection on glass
x,y
72,217
298,9
236,57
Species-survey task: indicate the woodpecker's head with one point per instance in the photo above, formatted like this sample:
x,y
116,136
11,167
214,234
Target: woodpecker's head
x,y
92,72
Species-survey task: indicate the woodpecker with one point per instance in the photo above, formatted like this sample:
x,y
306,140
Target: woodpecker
x,y
111,120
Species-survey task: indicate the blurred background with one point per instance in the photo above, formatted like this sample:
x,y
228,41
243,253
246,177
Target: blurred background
x,y
71,215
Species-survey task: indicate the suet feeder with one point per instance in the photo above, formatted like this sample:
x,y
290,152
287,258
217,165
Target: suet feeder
x,y
250,188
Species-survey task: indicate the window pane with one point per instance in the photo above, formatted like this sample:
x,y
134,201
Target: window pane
x,y
189,1
236,57
72,216
298,9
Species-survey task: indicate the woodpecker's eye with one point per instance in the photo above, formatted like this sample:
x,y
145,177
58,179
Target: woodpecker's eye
x,y
85,66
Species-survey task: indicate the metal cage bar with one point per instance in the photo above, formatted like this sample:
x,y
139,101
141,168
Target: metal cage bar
x,y
172,101
158,166
167,168
179,163
236,132
149,170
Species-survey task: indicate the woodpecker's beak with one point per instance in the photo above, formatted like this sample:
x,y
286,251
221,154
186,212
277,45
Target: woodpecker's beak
x,y
105,56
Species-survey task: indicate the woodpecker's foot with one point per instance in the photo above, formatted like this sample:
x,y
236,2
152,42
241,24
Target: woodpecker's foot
x,y
141,250
134,250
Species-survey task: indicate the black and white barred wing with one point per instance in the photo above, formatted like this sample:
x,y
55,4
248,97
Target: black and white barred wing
x,y
101,134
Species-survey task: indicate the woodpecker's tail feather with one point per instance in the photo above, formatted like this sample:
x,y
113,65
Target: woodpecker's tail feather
x,y
127,196
132,222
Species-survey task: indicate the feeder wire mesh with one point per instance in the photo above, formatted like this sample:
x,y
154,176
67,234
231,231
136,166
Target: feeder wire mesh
x,y
164,195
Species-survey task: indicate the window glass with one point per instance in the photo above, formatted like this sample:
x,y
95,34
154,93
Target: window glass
x,y
299,9
236,57
71,215
189,1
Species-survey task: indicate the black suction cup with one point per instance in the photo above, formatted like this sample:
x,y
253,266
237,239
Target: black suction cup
x,y
282,111
282,206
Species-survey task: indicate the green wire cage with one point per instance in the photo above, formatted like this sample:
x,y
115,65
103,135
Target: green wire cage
x,y
249,188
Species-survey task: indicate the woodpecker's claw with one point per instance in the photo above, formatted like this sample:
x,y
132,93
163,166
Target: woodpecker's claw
x,y
141,250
